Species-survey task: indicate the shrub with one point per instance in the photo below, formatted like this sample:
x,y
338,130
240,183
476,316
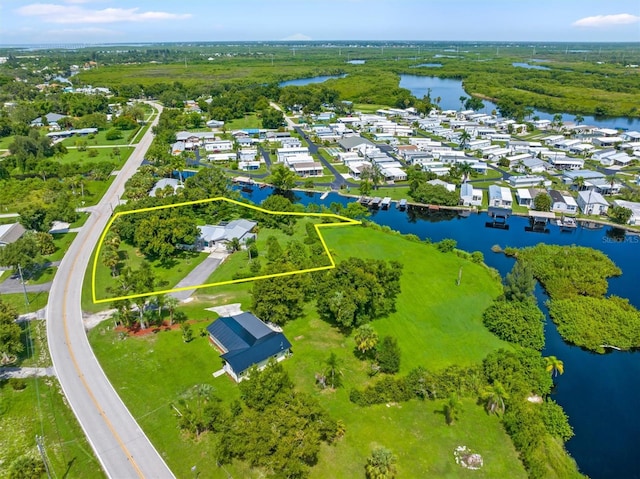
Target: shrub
x,y
446,245
113,134
388,355
519,322
17,384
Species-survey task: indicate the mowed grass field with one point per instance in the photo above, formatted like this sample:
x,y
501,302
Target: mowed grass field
x,y
436,323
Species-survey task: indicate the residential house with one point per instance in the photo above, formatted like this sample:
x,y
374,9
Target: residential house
x,y
164,183
500,196
633,206
524,197
562,202
447,186
212,236
11,233
50,119
592,203
354,143
245,341
470,196
527,180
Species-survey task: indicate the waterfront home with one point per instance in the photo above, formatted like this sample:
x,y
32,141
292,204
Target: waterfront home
x,y
592,203
212,236
470,196
633,206
283,153
447,186
244,341
163,183
631,136
524,197
563,202
500,196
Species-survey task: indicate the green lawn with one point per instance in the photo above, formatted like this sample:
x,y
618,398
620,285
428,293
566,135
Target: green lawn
x,y
103,154
436,324
99,139
94,191
82,219
167,274
395,193
249,121
5,142
368,108
36,349
41,409
37,300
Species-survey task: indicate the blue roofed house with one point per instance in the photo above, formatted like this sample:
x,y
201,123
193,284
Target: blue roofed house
x,y
244,341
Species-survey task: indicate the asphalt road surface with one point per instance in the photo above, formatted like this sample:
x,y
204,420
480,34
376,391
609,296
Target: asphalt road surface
x,y
122,448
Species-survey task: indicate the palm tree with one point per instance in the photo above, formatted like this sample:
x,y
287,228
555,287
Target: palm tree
x,y
381,464
366,338
333,370
462,100
554,365
612,181
493,397
234,245
579,182
452,409
171,303
578,119
464,139
466,170
557,120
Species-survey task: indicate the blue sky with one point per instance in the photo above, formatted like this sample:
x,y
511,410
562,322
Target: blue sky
x,y
106,21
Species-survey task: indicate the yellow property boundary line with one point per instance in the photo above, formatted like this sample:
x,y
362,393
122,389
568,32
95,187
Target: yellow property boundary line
x,y
343,221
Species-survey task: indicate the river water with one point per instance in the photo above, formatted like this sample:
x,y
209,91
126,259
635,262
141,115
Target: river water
x,y
308,81
450,92
599,392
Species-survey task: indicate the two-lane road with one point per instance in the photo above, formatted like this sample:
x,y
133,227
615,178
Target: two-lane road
x,y
118,442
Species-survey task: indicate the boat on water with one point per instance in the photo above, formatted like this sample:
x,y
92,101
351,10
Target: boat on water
x,y
567,223
402,204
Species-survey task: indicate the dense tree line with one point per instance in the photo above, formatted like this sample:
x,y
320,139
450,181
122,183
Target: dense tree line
x,y
274,427
358,291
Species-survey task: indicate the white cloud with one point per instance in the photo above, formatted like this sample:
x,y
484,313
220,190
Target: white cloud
x,y
297,37
599,21
53,13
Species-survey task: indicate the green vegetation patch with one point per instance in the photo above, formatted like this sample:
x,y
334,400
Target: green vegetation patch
x,y
567,271
597,323
39,408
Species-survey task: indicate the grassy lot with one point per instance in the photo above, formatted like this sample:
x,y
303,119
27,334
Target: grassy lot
x,y
249,121
37,300
95,190
41,409
167,274
44,275
103,154
99,139
5,142
36,349
62,242
436,325
395,192
367,108
82,219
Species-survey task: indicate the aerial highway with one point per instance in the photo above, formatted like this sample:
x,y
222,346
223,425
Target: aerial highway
x,y
122,448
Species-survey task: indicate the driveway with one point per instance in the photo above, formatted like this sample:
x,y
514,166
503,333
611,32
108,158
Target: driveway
x,y
198,275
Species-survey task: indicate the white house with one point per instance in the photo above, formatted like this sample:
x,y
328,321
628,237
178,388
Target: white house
x,y
524,197
527,180
562,203
592,203
500,196
633,206
470,196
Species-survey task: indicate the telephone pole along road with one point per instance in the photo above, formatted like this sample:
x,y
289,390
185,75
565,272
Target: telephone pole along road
x,y
122,448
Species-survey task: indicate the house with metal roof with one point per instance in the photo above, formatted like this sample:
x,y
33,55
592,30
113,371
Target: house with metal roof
x,y
219,235
11,233
244,341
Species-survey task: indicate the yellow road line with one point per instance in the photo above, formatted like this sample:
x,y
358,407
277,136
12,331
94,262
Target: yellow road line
x,y
81,375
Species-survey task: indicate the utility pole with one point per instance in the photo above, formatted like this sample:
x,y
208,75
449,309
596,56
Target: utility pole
x,y
24,288
40,445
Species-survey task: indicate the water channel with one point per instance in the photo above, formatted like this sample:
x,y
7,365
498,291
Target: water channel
x,y
450,92
598,392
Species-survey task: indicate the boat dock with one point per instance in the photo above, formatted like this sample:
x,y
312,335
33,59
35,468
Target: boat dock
x,y
567,223
375,202
402,204
385,203
324,195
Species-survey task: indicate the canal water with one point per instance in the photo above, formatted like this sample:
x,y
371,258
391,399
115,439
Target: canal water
x,y
450,92
599,392
308,81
